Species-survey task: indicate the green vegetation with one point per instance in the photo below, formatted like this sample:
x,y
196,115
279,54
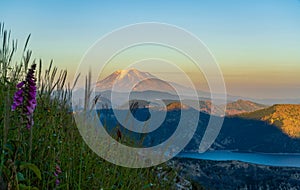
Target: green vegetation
x,y
257,115
51,154
285,116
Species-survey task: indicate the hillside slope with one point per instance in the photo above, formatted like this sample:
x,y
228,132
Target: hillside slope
x,y
284,116
242,106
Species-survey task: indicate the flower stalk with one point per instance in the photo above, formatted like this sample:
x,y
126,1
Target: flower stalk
x,y
56,174
25,97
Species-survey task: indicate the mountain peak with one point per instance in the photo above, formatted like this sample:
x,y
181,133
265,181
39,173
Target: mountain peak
x,y
128,70
132,71
132,79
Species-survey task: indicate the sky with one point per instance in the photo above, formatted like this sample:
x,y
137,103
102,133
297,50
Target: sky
x,y
256,43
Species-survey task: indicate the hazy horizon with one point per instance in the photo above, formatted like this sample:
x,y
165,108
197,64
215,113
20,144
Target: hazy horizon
x,y
256,43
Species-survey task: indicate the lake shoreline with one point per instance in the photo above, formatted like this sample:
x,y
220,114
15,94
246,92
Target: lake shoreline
x,y
237,174
290,160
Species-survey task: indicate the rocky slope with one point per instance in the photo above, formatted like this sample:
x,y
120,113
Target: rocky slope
x,y
238,175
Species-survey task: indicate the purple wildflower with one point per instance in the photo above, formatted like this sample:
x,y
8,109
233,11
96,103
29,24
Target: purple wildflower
x,y
57,169
57,182
31,90
30,122
56,174
25,96
21,84
18,97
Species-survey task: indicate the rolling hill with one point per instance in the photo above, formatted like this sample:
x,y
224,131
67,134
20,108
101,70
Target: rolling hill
x,y
177,106
232,108
242,106
284,116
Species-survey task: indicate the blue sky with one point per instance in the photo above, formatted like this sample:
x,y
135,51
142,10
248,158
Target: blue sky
x,y
255,42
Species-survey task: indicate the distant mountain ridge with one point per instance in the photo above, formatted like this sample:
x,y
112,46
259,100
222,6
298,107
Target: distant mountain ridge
x,y
145,86
177,106
242,106
232,108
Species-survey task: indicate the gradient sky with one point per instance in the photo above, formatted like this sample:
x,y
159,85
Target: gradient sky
x,y
256,43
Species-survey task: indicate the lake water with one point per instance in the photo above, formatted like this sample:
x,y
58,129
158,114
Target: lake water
x,y
284,160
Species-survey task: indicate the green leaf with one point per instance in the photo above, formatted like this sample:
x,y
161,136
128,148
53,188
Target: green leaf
x,y
5,170
148,186
32,167
9,148
20,176
25,187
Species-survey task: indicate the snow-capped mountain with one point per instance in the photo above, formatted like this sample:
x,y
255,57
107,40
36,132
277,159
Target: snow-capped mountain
x,y
134,80
140,85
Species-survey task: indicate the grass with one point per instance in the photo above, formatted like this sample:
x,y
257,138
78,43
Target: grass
x,y
30,157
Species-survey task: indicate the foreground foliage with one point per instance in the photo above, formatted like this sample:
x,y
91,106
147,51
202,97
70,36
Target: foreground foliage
x,y
51,154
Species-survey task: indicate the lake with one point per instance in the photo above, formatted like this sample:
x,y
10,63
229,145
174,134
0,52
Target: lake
x,y
270,159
